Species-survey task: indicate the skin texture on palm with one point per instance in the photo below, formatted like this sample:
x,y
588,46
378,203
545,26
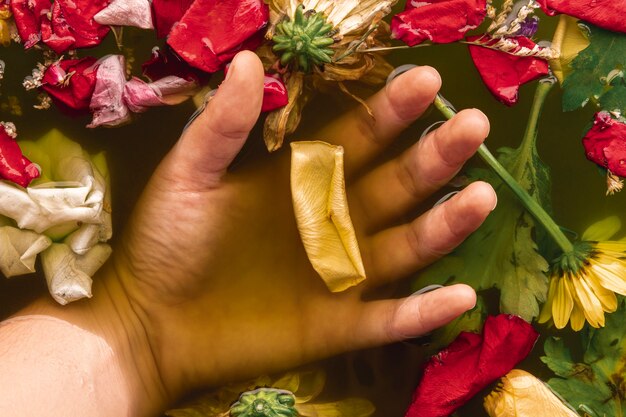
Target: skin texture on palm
x,y
211,282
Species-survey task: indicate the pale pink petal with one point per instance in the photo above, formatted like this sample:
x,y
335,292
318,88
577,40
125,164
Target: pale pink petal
x,y
171,90
107,104
137,13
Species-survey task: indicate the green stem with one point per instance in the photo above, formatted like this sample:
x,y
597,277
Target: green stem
x,y
527,201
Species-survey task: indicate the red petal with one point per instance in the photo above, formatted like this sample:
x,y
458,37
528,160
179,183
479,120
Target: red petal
x,y
503,73
13,165
166,13
74,92
274,93
471,363
28,15
605,143
608,14
164,62
211,31
440,21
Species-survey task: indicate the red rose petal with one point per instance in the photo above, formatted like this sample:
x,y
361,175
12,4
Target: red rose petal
x,y
75,90
440,21
13,165
28,15
608,14
166,13
274,93
503,73
605,143
225,27
471,363
164,63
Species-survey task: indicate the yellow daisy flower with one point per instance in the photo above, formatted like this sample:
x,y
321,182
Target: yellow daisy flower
x,y
584,282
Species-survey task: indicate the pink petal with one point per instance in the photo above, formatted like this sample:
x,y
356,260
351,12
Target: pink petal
x,y
139,95
605,143
470,363
503,73
212,31
608,14
167,13
137,13
106,104
440,21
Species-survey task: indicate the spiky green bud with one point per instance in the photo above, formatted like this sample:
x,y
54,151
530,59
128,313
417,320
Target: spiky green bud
x,y
265,402
304,41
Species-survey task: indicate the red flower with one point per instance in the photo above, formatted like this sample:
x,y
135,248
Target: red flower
x,y
607,14
71,82
62,25
166,13
470,363
503,72
212,31
440,21
14,166
605,143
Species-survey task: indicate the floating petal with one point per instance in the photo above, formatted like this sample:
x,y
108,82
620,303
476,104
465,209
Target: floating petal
x,y
321,208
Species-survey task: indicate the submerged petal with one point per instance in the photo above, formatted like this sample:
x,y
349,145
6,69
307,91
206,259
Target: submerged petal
x,y
520,394
19,250
321,208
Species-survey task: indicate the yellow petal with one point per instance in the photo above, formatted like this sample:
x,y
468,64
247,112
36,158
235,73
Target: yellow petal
x,y
350,407
591,306
607,297
321,208
577,319
603,229
522,395
568,41
610,276
546,310
562,304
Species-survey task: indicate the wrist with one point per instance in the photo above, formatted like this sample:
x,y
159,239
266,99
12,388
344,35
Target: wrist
x,y
110,316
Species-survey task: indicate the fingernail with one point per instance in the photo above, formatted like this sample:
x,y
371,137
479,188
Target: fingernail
x,y
426,289
496,202
399,71
230,68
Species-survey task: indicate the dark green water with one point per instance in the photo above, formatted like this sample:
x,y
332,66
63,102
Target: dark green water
x,y
387,375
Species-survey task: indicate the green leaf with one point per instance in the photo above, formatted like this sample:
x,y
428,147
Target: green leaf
x,y
597,73
596,384
502,253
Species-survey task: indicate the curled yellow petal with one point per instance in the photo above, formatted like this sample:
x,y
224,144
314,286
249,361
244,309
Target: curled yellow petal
x,y
321,209
568,41
521,394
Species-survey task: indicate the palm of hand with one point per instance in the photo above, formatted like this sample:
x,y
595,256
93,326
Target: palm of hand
x,y
214,263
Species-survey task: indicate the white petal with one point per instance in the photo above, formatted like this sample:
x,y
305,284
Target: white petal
x,y
19,250
137,13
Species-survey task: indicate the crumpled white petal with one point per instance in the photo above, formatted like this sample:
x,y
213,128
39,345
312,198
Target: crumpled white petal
x,y
137,13
19,250
321,209
69,204
68,274
114,97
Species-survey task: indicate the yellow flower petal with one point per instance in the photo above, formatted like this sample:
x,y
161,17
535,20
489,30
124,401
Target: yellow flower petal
x,y
606,297
546,310
587,300
568,41
350,407
611,276
577,319
321,208
603,229
562,303
522,395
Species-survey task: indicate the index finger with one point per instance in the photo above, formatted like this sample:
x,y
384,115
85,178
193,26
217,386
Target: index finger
x,y
394,108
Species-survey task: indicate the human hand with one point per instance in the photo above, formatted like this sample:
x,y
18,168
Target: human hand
x,y
211,278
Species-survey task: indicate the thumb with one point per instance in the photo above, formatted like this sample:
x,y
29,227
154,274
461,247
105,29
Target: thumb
x,y
212,141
